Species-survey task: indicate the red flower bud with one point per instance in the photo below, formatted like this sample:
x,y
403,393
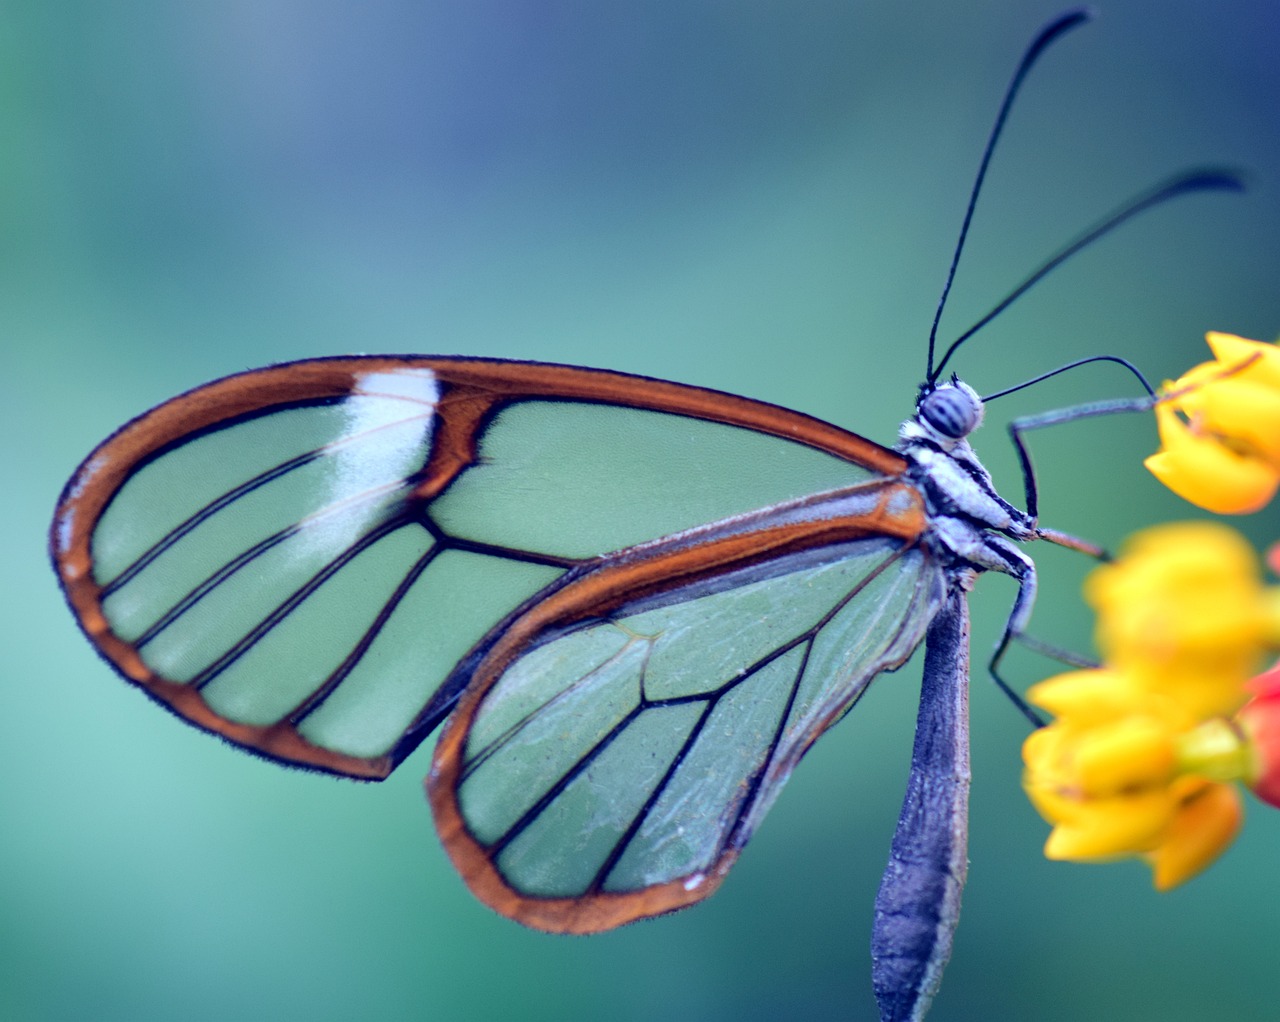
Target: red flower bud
x,y
1260,720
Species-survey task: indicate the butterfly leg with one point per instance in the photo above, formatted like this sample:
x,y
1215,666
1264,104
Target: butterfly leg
x,y
1015,628
1065,539
1006,558
999,554
1058,653
1025,425
1017,428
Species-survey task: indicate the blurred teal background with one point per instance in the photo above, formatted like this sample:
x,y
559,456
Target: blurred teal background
x,y
759,197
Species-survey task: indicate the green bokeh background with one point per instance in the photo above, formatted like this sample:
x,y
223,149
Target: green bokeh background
x,y
759,197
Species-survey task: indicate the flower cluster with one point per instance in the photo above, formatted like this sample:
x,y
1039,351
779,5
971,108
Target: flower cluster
x,y
1220,428
1144,753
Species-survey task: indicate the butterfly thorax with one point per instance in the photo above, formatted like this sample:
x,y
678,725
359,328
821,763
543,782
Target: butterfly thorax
x,y
959,495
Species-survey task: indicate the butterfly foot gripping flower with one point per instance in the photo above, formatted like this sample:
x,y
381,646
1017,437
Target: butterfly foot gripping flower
x,y
1220,428
1144,753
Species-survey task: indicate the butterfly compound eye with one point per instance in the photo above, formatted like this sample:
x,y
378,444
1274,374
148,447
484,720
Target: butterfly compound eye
x,y
954,410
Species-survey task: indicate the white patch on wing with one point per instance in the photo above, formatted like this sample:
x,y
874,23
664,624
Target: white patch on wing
x,y
385,438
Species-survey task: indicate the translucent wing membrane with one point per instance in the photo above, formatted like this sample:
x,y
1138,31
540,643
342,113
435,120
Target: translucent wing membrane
x,y
620,741
297,557
579,480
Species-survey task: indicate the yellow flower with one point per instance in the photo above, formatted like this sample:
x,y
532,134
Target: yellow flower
x,y
1143,754
1114,775
1184,611
1220,428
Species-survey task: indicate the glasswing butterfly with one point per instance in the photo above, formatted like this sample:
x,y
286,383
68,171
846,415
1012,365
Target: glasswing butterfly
x,y
633,605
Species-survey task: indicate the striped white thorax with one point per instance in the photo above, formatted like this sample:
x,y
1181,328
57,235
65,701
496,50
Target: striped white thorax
x,y
964,507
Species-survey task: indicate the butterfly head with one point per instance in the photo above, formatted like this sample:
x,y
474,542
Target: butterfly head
x,y
948,412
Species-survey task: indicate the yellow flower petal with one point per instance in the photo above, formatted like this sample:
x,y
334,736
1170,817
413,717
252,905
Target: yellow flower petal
x,y
1271,613
1178,557
1085,697
1204,825
1051,803
1197,689
1104,828
1208,474
1245,412
1183,614
1128,754
1233,405
1231,350
1143,755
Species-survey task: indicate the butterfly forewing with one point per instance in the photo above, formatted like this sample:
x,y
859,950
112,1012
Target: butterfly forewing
x,y
297,557
615,750
579,479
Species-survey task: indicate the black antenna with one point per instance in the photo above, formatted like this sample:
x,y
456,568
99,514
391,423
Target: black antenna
x,y
1063,23
1075,365
1198,180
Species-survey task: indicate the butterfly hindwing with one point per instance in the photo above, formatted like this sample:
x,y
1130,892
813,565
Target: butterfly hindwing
x,y
297,557
619,741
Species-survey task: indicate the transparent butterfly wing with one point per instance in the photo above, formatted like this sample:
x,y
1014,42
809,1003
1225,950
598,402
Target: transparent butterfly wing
x,y
297,557
618,744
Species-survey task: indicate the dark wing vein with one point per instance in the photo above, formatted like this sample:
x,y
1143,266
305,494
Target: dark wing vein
x,y
291,603
339,674
713,697
238,562
637,821
554,792
500,741
203,514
